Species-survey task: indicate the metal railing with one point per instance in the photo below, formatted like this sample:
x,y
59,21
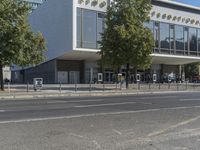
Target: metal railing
x,y
104,87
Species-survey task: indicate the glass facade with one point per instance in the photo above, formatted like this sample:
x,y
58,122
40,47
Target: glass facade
x,y
175,39
164,36
90,25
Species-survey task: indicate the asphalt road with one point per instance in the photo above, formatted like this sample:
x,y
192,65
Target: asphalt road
x,y
143,122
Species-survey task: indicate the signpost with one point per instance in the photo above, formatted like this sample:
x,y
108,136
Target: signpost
x,y
37,83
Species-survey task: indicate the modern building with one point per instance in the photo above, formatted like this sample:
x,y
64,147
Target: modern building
x,y
72,29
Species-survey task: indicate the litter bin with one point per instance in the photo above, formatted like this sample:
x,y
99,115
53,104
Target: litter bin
x,y
37,83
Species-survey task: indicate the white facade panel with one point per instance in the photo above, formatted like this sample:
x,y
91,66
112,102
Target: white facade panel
x,y
174,16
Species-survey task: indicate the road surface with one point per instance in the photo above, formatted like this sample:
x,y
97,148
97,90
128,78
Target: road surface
x,y
140,122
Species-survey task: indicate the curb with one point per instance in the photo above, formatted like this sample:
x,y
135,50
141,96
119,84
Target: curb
x,y
91,94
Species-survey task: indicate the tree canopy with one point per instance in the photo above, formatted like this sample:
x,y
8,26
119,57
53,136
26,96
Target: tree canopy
x,y
126,41
18,44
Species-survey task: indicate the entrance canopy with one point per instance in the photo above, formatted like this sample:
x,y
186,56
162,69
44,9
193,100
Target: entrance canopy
x,y
173,59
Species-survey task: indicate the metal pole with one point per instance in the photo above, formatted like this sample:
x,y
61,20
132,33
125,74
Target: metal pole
x,y
60,87
8,87
186,86
138,85
90,88
27,87
75,87
177,86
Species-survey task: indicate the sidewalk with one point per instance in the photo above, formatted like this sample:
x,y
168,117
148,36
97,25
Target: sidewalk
x,y
53,93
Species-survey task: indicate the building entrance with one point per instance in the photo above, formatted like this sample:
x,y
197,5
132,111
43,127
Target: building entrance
x,y
74,77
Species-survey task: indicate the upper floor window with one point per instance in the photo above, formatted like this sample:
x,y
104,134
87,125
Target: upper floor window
x,y
90,25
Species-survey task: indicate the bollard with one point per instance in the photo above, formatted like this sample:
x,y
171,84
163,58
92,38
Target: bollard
x,y
186,86
177,86
9,87
90,88
75,87
138,85
27,87
60,87
103,87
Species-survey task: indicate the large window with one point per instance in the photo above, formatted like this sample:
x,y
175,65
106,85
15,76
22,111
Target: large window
x,y
79,35
164,35
193,39
198,40
156,34
90,25
149,25
174,39
100,26
89,29
179,37
186,41
172,32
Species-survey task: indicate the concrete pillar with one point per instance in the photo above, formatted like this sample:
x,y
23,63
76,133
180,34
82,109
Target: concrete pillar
x,y
180,73
183,73
91,74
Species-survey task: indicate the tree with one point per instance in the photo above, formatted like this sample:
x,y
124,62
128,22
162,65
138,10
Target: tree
x,y
18,44
192,70
126,42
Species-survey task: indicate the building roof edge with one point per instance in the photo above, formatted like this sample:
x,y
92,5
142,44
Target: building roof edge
x,y
179,4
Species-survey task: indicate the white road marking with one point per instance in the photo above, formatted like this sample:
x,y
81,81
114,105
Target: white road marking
x,y
181,148
75,101
183,100
1,111
92,115
116,131
156,133
108,104
154,97
77,135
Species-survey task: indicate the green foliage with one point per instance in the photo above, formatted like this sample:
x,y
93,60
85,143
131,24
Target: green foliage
x,y
192,70
18,44
126,40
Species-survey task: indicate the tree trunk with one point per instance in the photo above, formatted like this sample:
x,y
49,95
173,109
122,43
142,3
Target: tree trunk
x,y
1,77
127,75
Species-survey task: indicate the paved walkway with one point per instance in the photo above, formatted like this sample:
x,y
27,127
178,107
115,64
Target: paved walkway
x,y
54,93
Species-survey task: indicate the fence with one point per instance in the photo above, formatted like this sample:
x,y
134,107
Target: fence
x,y
105,87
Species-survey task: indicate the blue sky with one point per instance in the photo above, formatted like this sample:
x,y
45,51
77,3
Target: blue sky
x,y
191,2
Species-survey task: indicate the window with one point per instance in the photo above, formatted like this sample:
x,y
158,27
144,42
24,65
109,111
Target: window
x,y
149,25
179,38
79,35
198,40
164,35
193,39
186,41
172,40
89,29
90,25
156,34
100,27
